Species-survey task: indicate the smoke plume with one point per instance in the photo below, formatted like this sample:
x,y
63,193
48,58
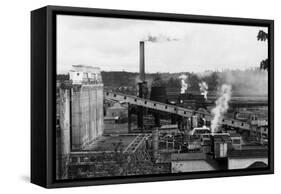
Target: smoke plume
x,y
221,106
159,38
184,85
204,89
248,82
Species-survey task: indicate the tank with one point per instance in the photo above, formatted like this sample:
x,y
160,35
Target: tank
x,y
158,93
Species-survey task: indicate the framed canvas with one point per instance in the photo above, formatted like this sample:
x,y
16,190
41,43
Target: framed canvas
x,y
126,96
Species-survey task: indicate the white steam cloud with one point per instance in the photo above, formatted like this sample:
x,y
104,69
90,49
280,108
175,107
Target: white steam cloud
x,y
248,82
204,89
159,38
221,106
184,85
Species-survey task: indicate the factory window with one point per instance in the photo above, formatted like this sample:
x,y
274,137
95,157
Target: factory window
x,y
107,93
114,95
232,122
236,141
135,100
92,159
166,107
184,112
175,109
223,120
125,97
145,102
242,124
73,159
154,104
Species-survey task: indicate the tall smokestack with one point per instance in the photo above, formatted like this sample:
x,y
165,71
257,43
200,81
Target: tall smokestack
x,y
142,69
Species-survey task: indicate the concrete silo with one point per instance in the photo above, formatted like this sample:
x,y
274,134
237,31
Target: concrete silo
x,y
87,106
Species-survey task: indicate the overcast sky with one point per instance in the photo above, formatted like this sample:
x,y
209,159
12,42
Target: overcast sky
x,y
113,45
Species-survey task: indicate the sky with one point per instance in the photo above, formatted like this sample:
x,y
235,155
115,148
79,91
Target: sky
x,y
113,45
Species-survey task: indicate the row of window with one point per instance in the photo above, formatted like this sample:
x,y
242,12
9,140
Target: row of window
x,y
233,122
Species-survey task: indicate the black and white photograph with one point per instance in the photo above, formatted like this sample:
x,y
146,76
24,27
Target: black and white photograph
x,y
149,97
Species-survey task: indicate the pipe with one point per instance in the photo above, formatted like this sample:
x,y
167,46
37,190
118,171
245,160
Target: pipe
x,y
155,143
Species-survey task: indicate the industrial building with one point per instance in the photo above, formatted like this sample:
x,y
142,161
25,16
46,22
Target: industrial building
x,y
161,131
80,109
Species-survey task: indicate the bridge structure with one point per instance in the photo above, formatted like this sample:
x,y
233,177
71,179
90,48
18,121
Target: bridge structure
x,y
168,108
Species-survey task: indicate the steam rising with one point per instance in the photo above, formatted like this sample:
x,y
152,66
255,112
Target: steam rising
x,y
159,38
221,106
204,89
184,85
248,82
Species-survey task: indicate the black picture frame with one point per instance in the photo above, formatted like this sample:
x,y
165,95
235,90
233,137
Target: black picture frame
x,y
43,100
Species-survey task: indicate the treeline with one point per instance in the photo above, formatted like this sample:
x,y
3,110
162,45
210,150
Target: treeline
x,y
62,77
245,81
169,80
118,78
